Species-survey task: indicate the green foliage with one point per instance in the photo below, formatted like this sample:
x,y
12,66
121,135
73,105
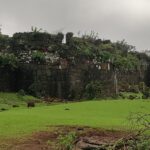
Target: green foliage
x,y
130,95
88,46
146,93
141,124
8,60
105,56
123,47
134,88
118,61
106,47
133,62
81,49
38,57
62,50
143,144
126,63
139,143
66,142
93,89
21,92
142,86
35,89
78,47
7,100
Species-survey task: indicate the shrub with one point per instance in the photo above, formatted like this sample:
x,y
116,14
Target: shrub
x,y
141,138
146,93
93,89
14,106
125,63
21,92
134,89
122,95
131,97
114,96
142,86
66,142
124,86
8,60
143,144
38,57
3,109
105,56
36,89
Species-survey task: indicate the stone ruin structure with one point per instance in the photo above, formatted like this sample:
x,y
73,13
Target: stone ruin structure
x,y
57,76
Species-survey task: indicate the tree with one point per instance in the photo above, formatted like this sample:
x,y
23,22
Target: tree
x,y
124,47
130,62
105,56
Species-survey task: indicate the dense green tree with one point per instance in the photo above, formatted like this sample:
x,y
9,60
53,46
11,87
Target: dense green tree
x,y
123,47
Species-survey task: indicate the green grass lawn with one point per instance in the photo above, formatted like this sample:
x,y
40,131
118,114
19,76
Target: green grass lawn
x,y
7,100
109,114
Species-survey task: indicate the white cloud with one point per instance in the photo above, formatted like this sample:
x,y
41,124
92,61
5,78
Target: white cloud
x,y
114,19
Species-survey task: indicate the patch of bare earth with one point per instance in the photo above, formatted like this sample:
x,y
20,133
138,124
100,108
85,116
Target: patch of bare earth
x,y
48,140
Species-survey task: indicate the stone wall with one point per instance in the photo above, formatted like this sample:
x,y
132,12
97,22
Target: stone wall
x,y
7,80
43,80
65,83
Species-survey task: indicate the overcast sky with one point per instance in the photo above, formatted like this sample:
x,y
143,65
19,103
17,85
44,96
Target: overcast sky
x,y
112,19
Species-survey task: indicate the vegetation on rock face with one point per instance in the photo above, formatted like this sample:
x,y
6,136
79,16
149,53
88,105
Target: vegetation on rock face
x,y
38,57
130,62
88,46
93,90
8,61
40,47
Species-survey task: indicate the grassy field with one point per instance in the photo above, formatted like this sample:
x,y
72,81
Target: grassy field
x,y
109,114
7,100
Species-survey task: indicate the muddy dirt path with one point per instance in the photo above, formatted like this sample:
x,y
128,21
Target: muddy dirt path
x,y
48,140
